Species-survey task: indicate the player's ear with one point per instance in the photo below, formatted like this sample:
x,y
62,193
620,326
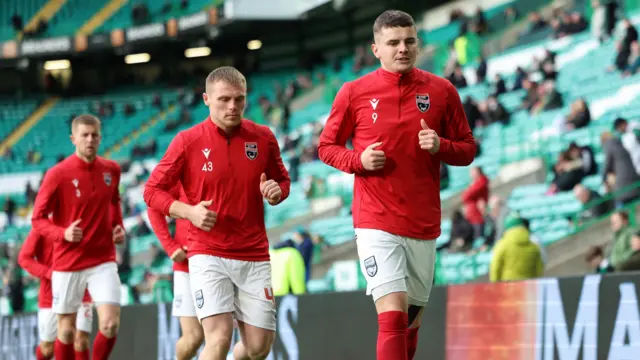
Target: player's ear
x,y
205,98
374,50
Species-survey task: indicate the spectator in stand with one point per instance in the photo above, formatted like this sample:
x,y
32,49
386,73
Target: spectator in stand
x,y
568,173
584,154
10,209
548,98
579,115
536,240
288,271
597,261
621,249
457,78
592,202
633,61
532,96
536,22
477,191
461,237
492,111
444,176
599,21
633,262
623,47
619,171
481,71
472,112
630,136
304,244
499,87
521,76
515,257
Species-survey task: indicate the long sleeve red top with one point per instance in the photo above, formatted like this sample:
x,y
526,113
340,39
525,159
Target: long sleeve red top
x,y
72,190
226,169
478,190
161,229
404,197
36,257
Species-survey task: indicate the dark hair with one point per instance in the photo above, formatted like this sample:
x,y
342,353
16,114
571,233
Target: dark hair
x,y
593,252
525,223
623,214
619,122
391,19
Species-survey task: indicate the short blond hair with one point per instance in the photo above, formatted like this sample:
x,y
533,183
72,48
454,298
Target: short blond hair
x,y
228,74
86,119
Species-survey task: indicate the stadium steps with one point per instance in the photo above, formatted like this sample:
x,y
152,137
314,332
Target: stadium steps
x,y
46,12
28,124
101,16
144,127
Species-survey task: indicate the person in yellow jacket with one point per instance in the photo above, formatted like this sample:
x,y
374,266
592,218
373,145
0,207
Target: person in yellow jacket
x,y
515,256
287,271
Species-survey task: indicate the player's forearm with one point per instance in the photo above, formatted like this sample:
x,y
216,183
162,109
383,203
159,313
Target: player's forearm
x,y
457,153
161,229
341,158
47,228
179,210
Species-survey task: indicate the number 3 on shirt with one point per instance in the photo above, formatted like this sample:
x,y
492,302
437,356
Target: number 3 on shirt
x,y
207,166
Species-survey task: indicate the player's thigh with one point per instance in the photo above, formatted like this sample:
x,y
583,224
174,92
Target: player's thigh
x,y
256,340
254,301
211,286
68,289
382,261
182,296
421,260
104,284
47,325
84,318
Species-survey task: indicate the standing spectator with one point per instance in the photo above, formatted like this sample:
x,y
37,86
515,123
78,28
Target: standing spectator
x,y
515,257
461,236
9,209
599,21
621,249
591,202
477,191
619,172
630,136
597,261
304,244
633,262
288,271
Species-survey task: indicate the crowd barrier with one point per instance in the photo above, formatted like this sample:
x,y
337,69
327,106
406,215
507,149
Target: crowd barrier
x,y
591,317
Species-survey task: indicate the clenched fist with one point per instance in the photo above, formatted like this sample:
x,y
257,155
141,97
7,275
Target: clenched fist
x,y
201,217
270,190
73,233
373,159
428,138
118,234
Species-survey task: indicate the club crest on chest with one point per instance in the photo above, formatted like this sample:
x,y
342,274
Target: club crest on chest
x,y
423,102
107,178
251,150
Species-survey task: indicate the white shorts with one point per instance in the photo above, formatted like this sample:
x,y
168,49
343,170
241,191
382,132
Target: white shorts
x,y
393,263
243,288
69,287
48,322
182,296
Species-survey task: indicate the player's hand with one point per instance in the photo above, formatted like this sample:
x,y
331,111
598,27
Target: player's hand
x,y
373,159
201,217
179,255
270,190
118,234
428,138
73,233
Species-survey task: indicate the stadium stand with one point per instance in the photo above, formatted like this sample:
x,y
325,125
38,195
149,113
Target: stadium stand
x,y
136,119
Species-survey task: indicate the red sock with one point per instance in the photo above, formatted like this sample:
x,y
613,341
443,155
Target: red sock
x,y
412,342
39,355
82,355
63,351
102,347
392,335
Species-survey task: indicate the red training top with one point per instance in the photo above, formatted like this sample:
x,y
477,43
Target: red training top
x,y
72,190
36,256
478,190
226,169
404,197
159,224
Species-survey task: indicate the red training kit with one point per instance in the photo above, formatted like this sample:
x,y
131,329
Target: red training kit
x,y
226,169
159,224
72,190
36,257
404,197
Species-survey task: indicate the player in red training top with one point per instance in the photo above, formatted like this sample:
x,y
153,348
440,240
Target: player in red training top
x,y
36,258
226,165
183,307
82,192
403,122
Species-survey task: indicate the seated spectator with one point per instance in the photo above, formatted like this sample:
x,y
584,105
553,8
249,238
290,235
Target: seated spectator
x,y
444,176
592,202
633,262
532,96
521,75
457,78
585,155
621,249
499,87
597,261
623,47
461,237
629,134
481,71
568,173
598,21
495,112
477,191
536,22
515,257
633,61
548,98
579,115
472,112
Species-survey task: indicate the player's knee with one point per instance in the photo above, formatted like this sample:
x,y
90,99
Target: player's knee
x,y
66,334
81,342
109,327
46,349
193,339
219,343
259,352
